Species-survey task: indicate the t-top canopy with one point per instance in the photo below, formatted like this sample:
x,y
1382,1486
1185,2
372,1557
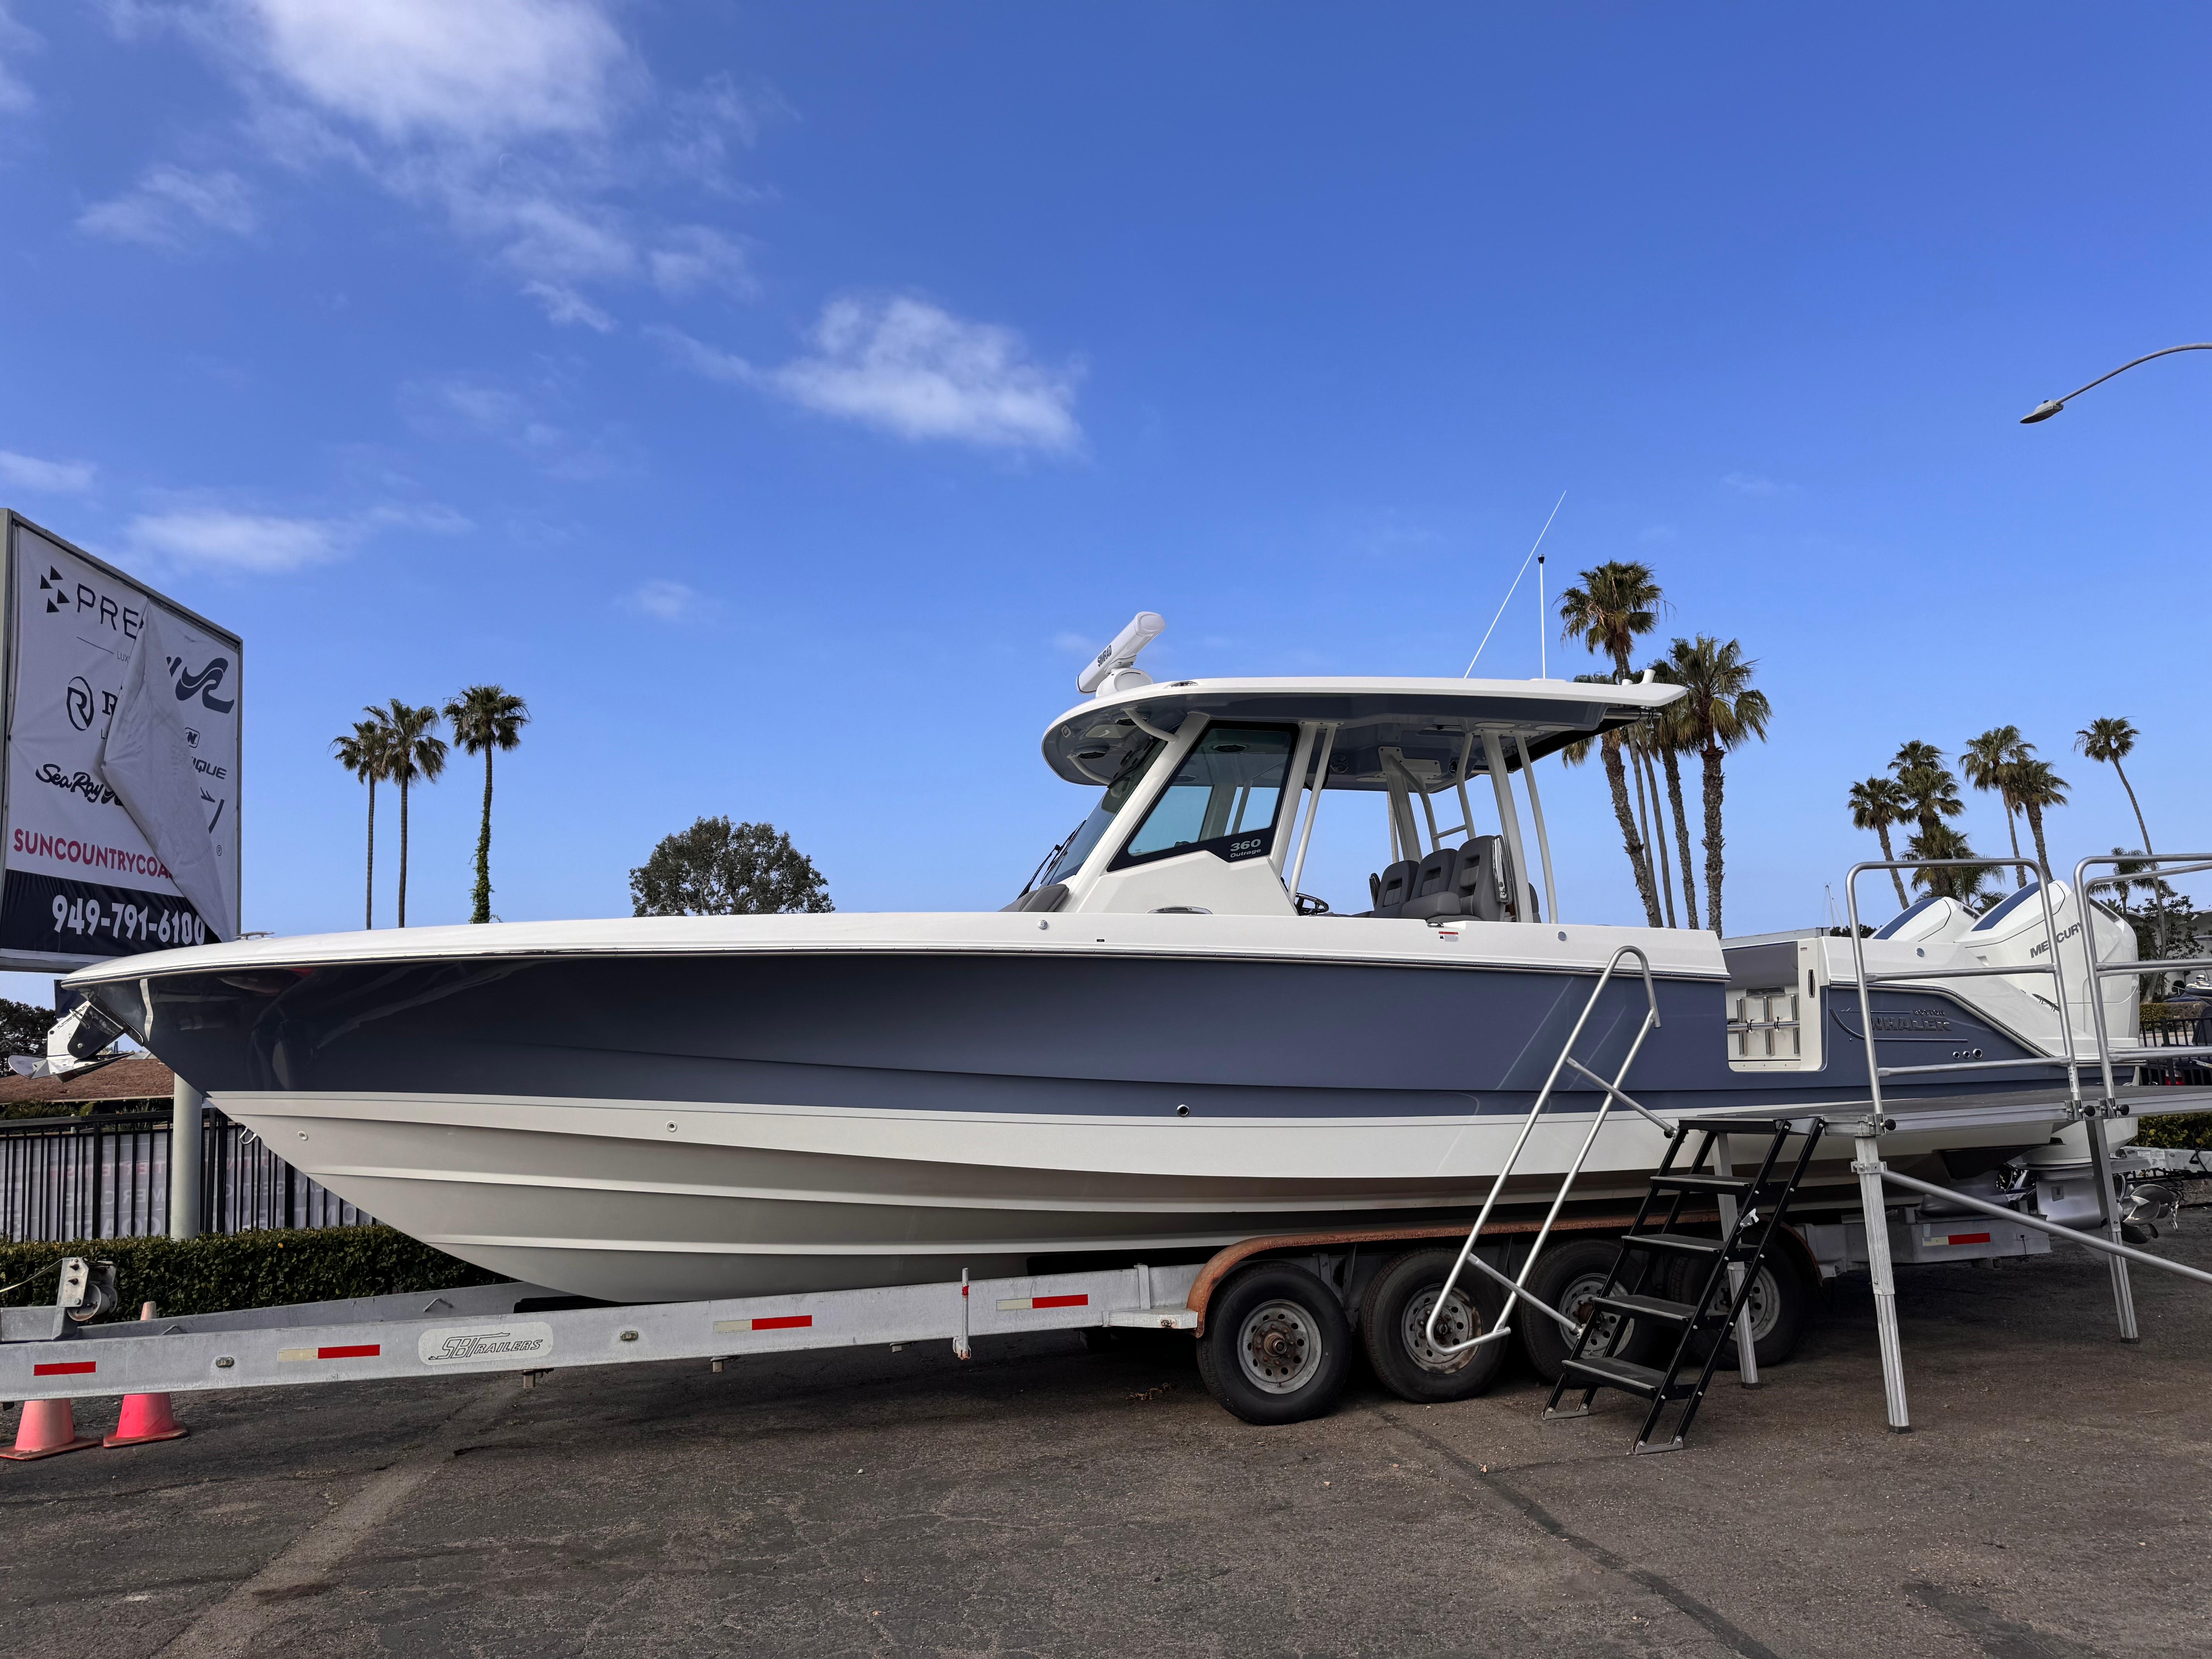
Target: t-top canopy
x,y
1427,721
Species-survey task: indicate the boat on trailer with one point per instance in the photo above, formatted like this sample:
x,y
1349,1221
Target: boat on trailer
x,y
1160,1046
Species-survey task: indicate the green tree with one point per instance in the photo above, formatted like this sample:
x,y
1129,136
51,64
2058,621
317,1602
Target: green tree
x,y
1724,712
2038,788
1929,785
414,750
1989,762
1617,604
2109,741
1941,841
1639,742
23,1028
1671,740
365,751
1880,805
717,868
486,718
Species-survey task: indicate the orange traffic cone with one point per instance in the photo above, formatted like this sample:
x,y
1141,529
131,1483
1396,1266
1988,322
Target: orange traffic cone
x,y
48,1429
146,1417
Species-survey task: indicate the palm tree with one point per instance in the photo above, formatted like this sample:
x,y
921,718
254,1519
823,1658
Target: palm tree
x,y
1670,738
1641,738
1940,841
416,752
1878,804
485,718
1722,713
1928,785
362,752
2036,786
1617,603
2111,739
1988,763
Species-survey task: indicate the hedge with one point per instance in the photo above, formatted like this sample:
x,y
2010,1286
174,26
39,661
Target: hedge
x,y
2194,1130
248,1270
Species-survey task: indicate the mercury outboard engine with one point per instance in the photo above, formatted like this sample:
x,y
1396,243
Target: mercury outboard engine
x,y
2015,932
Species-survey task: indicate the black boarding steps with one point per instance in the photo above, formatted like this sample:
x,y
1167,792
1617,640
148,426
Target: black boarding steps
x,y
1753,1207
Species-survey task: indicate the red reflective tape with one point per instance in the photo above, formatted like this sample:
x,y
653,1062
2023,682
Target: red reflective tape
x,y
359,1351
1967,1238
1059,1301
784,1323
73,1368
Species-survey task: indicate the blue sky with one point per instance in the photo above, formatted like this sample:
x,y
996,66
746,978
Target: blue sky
x,y
784,400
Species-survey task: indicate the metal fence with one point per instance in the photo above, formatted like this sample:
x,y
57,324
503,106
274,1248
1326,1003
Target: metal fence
x,y
108,1177
2173,1033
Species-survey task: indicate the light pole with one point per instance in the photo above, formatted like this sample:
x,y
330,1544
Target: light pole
x,y
2044,411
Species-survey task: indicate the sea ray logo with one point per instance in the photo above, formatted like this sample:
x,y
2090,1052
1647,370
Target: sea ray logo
x,y
203,684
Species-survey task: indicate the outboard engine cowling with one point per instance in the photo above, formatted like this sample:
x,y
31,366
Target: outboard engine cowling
x,y
2015,932
1932,921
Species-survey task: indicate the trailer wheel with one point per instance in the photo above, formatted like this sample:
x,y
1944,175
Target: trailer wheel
x,y
1394,1326
1780,1305
1567,1277
1277,1347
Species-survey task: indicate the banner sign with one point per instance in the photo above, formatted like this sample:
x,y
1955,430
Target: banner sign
x,y
120,761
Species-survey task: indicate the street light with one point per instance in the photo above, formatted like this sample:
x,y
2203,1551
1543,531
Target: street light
x,y
2045,410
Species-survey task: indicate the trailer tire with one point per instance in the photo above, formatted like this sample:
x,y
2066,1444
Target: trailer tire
x,y
1781,1304
1576,1272
1394,1326
1277,1347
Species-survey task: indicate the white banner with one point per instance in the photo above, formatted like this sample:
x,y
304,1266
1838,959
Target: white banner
x,y
84,880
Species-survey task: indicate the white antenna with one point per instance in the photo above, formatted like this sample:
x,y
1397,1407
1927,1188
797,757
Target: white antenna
x,y
1543,629
1517,576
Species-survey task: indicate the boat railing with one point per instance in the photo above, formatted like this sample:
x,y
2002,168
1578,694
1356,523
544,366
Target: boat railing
x,y
1516,1288
1891,977
2135,1054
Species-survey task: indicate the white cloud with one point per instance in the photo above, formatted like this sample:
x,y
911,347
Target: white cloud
x,y
669,601
170,206
52,477
912,368
520,121
260,543
16,97
459,406
702,125
1074,644
693,256
909,367
1750,483
483,73
711,363
565,305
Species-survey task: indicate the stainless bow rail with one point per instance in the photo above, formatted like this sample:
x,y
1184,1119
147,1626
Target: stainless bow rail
x,y
1516,1288
1873,1174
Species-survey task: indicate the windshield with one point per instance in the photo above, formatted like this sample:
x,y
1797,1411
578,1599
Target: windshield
x,y
1133,766
1224,797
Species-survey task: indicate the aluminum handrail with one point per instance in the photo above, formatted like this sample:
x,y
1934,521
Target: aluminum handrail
x,y
1950,1195
2099,972
1516,1288
1875,1070
2155,965
1974,1065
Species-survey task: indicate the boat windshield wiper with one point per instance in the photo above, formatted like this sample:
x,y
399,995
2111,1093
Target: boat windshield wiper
x,y
1048,860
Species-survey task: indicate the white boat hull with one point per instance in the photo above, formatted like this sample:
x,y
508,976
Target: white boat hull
x,y
634,1200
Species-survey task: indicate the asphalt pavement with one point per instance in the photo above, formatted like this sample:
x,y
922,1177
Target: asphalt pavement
x,y
2051,1503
